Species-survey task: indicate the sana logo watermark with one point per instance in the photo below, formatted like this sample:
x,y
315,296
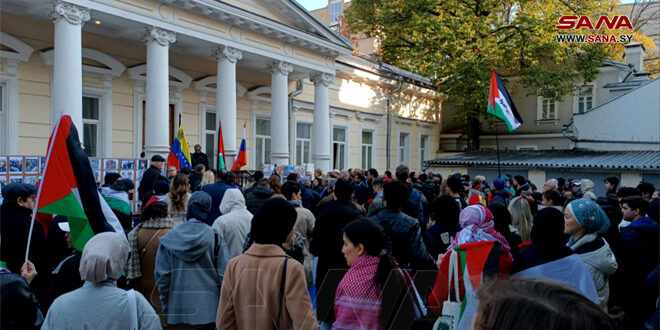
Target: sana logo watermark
x,y
574,22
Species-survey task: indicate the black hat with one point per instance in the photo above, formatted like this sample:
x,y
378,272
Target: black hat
x,y
157,158
13,191
161,187
111,178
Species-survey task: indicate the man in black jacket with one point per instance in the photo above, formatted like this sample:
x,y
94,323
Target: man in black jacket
x,y
403,231
198,157
327,242
151,175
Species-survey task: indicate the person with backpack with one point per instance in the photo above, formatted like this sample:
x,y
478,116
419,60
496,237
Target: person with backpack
x,y
191,259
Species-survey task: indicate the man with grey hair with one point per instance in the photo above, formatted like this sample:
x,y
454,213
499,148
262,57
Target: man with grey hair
x,y
550,185
198,157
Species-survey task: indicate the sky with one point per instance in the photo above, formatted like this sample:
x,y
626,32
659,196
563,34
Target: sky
x,y
313,4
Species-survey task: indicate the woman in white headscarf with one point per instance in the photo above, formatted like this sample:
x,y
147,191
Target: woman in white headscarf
x,y
99,304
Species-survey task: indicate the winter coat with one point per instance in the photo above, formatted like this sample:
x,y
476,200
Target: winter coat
x,y
375,206
199,158
256,197
327,242
234,223
185,266
66,278
438,237
309,198
639,256
305,227
404,239
217,191
99,306
147,245
600,261
145,190
250,295
19,305
14,229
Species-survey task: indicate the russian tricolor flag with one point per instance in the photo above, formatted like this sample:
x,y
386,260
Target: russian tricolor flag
x,y
241,159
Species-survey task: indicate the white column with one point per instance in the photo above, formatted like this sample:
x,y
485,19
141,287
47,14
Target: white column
x,y
321,126
225,104
158,91
67,63
279,121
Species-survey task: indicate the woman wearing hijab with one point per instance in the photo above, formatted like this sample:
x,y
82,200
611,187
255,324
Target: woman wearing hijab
x,y
477,225
548,257
143,246
586,222
99,304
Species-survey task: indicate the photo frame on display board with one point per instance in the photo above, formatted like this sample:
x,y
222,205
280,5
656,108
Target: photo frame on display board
x,y
138,178
111,165
3,182
31,165
42,164
128,174
33,179
143,164
97,176
15,165
15,179
128,164
4,165
95,163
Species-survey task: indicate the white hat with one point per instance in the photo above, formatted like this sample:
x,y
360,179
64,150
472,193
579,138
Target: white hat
x,y
64,226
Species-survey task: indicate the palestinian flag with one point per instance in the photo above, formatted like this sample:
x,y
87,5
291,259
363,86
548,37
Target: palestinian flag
x,y
68,187
501,105
221,149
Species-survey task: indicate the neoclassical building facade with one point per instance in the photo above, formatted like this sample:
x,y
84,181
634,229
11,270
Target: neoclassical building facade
x,y
129,72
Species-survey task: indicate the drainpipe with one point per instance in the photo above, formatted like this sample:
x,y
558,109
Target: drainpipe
x,y
293,94
388,151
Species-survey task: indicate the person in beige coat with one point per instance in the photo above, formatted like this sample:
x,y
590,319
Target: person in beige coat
x,y
264,288
304,225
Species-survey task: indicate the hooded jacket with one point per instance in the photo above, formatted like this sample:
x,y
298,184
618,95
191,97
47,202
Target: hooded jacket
x,y
188,279
234,223
639,256
256,197
600,261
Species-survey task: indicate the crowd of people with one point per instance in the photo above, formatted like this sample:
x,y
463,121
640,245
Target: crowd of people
x,y
352,249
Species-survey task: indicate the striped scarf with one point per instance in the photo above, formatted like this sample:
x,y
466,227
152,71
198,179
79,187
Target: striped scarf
x,y
133,268
357,300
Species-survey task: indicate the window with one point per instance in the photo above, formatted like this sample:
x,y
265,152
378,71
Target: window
x,y
548,109
335,12
423,149
404,148
262,143
339,148
303,141
367,149
91,125
210,136
585,98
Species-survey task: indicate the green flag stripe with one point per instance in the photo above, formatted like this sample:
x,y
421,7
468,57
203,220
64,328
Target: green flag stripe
x,y
68,206
81,232
499,113
221,162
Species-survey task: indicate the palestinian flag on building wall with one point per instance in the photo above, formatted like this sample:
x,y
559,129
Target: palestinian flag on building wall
x,y
501,105
221,149
68,187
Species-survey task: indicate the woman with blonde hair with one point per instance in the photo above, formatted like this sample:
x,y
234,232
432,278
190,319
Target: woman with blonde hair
x,y
207,178
177,198
521,217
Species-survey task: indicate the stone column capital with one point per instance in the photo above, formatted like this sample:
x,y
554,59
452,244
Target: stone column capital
x,y
75,15
163,37
233,55
281,67
322,78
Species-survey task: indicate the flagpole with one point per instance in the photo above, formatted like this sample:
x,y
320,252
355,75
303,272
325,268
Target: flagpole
x,y
497,147
36,202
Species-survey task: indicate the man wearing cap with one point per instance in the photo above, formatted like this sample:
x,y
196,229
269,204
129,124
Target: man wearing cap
x,y
15,219
500,193
151,175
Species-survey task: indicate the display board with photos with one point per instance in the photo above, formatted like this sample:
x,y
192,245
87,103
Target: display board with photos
x,y
269,169
29,169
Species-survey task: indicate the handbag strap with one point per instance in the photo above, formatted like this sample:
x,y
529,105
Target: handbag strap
x,y
144,249
132,309
282,286
453,272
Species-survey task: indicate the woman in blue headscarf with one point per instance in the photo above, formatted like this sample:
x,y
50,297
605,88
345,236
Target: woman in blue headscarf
x,y
586,222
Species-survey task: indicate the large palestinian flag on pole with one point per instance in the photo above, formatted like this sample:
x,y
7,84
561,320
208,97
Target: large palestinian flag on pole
x,y
68,187
501,105
221,149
